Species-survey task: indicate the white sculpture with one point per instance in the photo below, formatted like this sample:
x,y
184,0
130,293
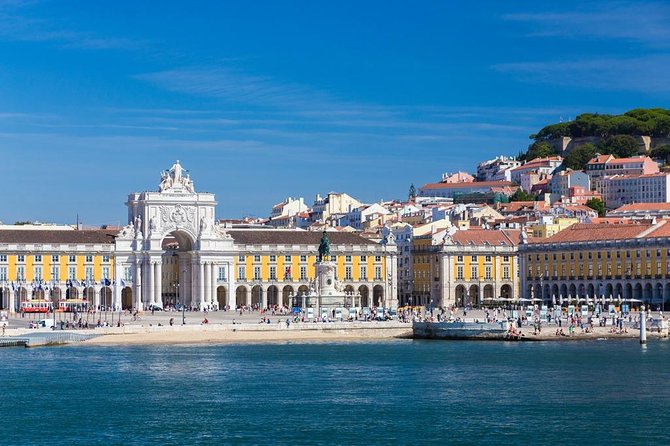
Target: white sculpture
x,y
173,180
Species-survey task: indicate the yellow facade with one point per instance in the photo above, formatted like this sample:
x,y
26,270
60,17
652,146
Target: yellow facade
x,y
341,260
29,264
546,230
600,264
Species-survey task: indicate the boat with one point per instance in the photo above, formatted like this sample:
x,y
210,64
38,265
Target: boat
x,y
460,330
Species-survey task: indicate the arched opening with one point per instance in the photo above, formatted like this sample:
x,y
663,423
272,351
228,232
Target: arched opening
x,y
554,293
4,298
563,294
590,291
473,296
287,296
609,291
506,292
546,293
378,296
461,296
127,298
257,296
221,297
572,292
582,290
537,292
628,291
273,296
658,294
89,296
72,293
240,296
648,292
105,298
488,294
365,294
175,271
638,291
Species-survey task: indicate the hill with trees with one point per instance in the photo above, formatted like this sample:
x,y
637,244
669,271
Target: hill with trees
x,y
618,135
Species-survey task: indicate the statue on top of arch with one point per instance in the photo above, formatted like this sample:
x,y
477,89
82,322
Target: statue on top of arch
x,y
173,180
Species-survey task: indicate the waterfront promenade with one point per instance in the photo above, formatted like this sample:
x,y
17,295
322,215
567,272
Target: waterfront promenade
x,y
231,326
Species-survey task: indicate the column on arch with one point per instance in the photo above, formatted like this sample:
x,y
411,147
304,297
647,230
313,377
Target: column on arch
x,y
201,284
158,281
214,296
207,283
137,282
151,273
116,284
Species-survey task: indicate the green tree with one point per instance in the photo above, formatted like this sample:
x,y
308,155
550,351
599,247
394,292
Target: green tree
x,y
579,157
597,205
661,153
552,131
590,124
520,195
621,146
539,149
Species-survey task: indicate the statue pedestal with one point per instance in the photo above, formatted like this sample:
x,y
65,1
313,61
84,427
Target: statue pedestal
x,y
327,295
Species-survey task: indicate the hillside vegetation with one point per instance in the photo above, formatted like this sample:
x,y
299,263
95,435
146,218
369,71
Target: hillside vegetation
x,y
615,135
650,122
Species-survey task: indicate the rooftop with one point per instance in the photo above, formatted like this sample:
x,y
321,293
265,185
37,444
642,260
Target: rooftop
x,y
56,236
294,237
474,184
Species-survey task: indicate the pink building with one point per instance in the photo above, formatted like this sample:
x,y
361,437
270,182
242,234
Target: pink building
x,y
607,165
540,166
580,195
458,177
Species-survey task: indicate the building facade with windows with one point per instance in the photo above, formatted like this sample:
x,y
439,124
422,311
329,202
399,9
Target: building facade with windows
x,y
173,251
629,260
465,267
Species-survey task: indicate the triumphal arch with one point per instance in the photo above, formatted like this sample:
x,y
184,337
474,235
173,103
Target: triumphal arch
x,y
173,250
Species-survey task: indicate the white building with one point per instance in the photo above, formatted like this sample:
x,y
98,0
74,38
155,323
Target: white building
x,y
497,169
333,203
627,189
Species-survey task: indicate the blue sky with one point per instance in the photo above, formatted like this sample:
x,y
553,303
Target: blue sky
x,y
263,100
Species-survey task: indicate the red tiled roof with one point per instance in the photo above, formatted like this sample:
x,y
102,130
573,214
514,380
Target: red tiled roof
x,y
484,237
643,207
474,184
45,236
290,237
587,232
662,230
600,159
538,162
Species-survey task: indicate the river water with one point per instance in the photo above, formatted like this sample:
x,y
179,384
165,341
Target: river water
x,y
393,392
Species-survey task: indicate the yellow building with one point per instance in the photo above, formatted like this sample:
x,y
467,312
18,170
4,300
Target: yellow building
x,y
627,260
270,267
465,268
273,267
57,264
173,251
545,230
